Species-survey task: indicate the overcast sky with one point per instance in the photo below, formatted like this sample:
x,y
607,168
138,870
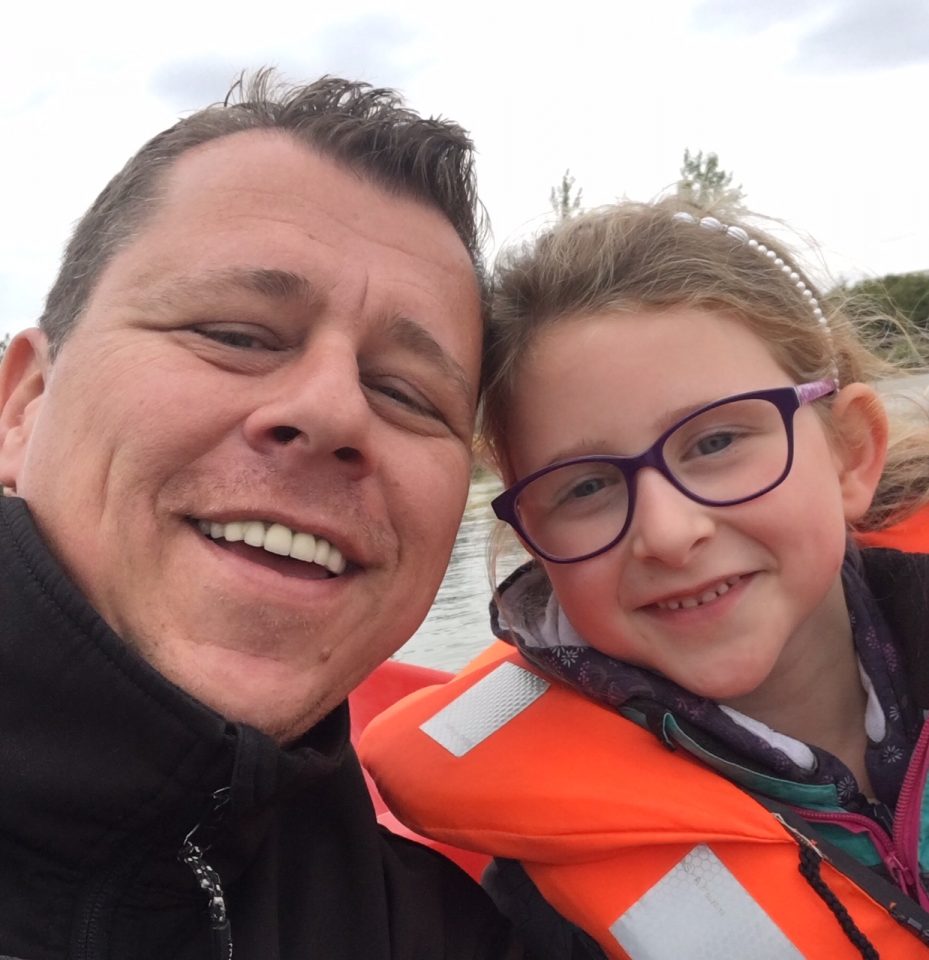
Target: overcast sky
x,y
817,107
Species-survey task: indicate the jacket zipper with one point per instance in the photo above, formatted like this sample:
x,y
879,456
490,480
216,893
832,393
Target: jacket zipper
x,y
898,850
191,854
206,876
858,823
906,825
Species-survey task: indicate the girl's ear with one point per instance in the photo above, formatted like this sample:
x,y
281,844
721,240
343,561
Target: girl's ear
x,y
22,385
861,429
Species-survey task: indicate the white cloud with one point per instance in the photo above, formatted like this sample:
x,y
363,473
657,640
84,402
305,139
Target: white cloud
x,y
863,35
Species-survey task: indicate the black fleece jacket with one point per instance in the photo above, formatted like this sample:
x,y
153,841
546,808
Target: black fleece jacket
x,y
106,768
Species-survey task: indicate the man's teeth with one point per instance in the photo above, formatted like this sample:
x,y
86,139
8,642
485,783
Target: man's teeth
x,y
696,600
277,539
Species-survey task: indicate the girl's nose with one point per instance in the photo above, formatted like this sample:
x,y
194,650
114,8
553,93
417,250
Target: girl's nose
x,y
667,525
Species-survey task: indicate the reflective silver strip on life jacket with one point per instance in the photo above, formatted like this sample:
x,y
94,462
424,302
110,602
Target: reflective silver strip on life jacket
x,y
484,708
699,910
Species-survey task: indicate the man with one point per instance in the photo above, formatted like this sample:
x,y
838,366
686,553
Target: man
x,y
235,455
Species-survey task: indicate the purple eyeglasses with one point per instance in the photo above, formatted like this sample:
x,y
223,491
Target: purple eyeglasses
x,y
728,452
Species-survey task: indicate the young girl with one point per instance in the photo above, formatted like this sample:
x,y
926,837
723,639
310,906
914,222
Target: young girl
x,y
708,740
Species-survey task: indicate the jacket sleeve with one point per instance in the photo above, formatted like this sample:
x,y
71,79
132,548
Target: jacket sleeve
x,y
547,934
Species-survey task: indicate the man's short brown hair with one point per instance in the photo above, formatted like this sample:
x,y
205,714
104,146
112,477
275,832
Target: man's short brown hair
x,y
368,129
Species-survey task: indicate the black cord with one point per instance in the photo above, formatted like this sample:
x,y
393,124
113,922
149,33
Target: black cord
x,y
809,868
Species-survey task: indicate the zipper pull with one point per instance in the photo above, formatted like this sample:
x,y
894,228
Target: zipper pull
x,y
800,837
208,878
902,875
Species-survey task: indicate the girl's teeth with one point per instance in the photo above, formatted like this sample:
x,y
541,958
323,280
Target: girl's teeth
x,y
279,540
688,603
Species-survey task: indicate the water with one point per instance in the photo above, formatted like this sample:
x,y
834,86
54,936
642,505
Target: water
x,y
458,626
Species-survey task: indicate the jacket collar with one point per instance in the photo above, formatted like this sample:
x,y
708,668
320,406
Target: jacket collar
x,y
899,583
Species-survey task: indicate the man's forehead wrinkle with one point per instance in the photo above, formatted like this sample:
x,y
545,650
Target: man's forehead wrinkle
x,y
411,335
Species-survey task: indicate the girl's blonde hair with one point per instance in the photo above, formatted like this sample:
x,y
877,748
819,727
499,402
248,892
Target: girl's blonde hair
x,y
635,257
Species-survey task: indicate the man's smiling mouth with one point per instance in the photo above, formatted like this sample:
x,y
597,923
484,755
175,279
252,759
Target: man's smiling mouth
x,y
277,540
699,599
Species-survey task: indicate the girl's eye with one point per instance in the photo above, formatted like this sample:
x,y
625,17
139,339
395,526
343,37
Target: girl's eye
x,y
594,488
587,488
713,443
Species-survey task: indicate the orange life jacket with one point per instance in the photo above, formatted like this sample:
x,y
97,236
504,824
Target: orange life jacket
x,y
645,848
910,535
388,683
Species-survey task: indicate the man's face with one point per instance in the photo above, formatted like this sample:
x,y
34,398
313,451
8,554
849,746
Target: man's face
x,y
284,343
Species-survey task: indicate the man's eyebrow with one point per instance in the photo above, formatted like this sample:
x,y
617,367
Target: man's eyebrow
x,y
417,339
283,285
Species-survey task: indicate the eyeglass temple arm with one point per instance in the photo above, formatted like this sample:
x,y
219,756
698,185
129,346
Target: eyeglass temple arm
x,y
808,392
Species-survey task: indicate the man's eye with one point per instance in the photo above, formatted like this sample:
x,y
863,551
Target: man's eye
x,y
237,337
405,398
395,393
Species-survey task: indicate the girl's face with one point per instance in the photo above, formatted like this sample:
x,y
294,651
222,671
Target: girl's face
x,y
718,599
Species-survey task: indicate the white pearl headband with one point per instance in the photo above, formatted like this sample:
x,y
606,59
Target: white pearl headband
x,y
737,233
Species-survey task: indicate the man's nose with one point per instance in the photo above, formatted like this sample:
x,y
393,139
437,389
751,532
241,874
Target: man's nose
x,y
667,525
314,407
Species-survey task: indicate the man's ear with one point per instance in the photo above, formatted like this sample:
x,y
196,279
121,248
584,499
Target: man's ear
x,y
861,430
22,385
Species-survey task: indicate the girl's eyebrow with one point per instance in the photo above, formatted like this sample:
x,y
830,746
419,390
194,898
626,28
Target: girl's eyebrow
x,y
590,447
672,417
585,447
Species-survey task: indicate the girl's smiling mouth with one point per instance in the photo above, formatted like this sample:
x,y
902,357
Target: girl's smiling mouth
x,y
701,597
